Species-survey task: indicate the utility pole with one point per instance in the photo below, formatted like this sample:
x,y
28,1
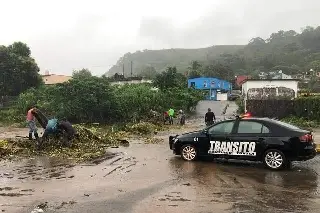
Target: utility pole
x,y
131,69
123,70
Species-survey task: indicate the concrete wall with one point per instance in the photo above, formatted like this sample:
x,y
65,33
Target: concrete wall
x,y
291,84
250,84
222,96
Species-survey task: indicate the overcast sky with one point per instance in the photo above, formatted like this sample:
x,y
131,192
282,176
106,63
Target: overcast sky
x,y
70,34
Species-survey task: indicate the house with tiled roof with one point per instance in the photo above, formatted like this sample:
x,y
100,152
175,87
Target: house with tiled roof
x,y
50,79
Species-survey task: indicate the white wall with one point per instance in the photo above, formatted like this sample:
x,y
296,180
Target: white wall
x,y
130,82
292,84
270,83
222,96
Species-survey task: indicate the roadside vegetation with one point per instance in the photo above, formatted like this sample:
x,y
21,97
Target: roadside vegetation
x,y
302,111
138,109
105,115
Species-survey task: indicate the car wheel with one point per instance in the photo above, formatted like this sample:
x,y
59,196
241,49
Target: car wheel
x,y
274,159
189,153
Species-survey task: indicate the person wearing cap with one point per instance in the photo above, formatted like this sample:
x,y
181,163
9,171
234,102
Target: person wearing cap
x,y
209,117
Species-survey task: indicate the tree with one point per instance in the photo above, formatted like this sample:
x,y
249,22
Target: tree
x,y
83,73
170,79
195,66
257,41
219,70
20,49
18,71
148,72
314,65
194,69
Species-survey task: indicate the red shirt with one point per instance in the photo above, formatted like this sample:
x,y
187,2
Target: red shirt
x,y
30,116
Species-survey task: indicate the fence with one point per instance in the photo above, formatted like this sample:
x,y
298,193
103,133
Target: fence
x,y
271,108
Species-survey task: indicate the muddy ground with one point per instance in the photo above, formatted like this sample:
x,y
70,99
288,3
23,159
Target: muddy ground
x,y
149,178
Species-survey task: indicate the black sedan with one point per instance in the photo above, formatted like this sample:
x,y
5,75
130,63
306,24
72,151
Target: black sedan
x,y
273,142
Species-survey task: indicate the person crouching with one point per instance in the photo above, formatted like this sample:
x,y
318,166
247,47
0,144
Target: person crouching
x,y
70,132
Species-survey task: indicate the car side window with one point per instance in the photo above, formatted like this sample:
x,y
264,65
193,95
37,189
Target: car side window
x,y
222,128
265,129
252,127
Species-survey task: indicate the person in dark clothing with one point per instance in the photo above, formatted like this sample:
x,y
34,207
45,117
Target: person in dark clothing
x,y
209,117
68,128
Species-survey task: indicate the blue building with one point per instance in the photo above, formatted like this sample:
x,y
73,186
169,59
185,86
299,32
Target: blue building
x,y
213,86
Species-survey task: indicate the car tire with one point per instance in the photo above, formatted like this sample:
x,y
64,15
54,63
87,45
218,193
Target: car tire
x,y
274,159
189,152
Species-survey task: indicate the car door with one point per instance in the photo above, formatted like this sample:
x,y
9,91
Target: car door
x,y
250,138
216,135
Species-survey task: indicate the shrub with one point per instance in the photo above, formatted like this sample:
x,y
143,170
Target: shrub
x,y
308,107
301,122
240,104
93,99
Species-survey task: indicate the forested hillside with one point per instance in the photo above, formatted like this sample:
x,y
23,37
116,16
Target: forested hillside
x,y
147,61
290,51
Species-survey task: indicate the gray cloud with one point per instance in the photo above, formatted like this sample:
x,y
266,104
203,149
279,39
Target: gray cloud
x,y
95,34
234,22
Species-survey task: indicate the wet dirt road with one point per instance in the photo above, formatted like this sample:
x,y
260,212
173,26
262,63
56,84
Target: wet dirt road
x,y
149,178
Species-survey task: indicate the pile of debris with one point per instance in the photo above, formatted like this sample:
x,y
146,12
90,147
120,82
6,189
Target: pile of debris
x,y
91,143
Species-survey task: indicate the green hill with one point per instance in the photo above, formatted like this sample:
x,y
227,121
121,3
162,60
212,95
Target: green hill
x,y
289,51
160,59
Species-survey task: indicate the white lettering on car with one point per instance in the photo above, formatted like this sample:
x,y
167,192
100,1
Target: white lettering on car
x,y
232,148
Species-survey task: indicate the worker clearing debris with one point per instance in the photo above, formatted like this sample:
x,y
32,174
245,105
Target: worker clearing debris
x,y
31,121
171,115
166,117
182,117
62,130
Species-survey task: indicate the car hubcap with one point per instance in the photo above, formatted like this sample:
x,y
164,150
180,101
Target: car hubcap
x,y
189,153
274,160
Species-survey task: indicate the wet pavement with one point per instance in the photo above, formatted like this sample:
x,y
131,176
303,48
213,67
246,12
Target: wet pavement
x,y
149,178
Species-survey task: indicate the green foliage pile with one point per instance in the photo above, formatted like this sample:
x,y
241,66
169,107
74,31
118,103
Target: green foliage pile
x,y
91,144
143,128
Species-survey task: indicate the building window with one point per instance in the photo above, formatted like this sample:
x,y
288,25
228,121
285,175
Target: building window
x,y
205,84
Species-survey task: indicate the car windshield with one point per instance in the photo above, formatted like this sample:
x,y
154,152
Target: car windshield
x,y
285,124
